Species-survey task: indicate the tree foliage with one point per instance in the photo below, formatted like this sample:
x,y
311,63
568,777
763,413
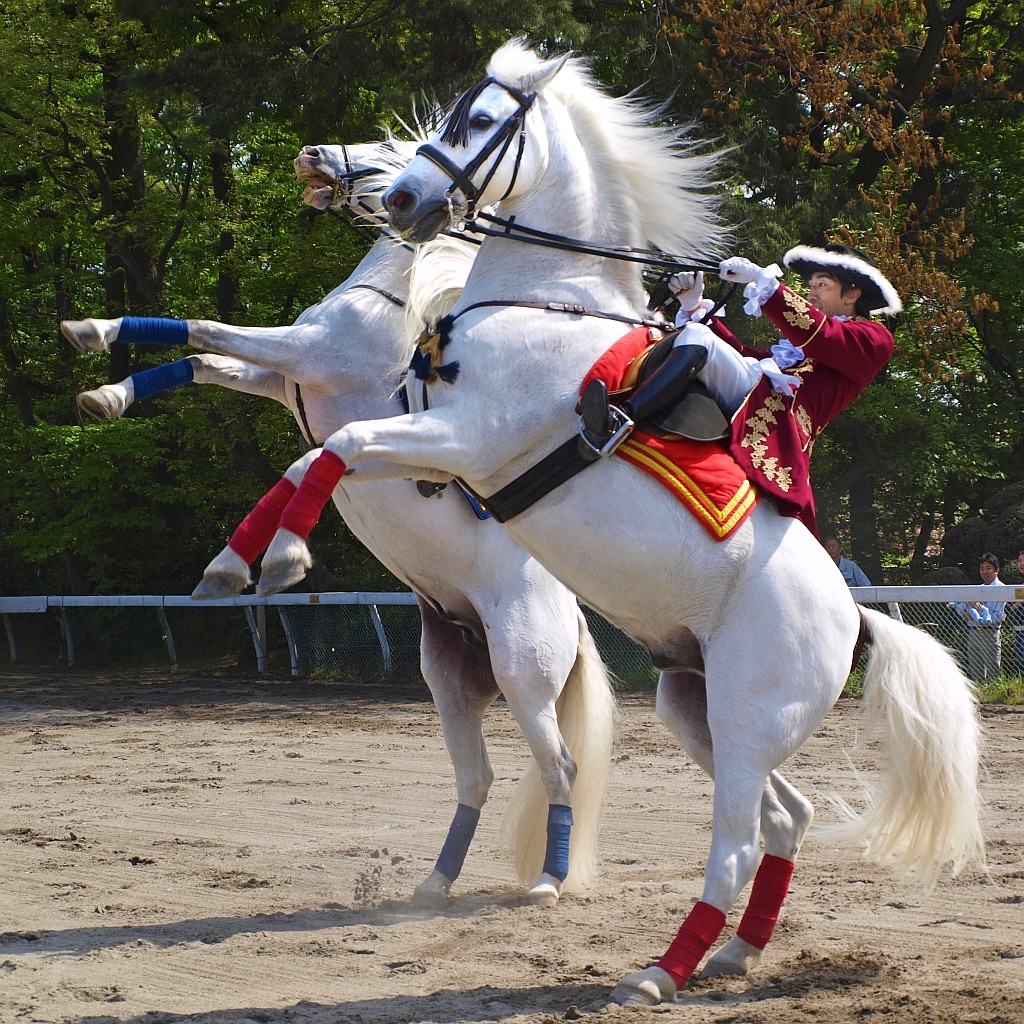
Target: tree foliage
x,y
145,165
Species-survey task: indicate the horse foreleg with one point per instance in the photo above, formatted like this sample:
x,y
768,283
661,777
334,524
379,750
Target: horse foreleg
x,y
96,335
463,687
110,401
227,575
786,815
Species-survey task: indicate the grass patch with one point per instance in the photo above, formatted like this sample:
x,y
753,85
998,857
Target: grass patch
x,y
1004,690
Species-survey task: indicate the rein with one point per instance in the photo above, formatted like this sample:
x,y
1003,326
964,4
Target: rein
x,y
509,228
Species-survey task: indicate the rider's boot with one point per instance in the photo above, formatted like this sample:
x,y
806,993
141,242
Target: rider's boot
x,y
657,392
666,383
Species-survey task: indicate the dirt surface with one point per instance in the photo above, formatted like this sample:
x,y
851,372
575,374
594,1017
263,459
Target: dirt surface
x,y
222,850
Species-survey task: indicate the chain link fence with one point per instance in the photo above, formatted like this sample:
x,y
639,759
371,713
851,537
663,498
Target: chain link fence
x,y
371,638
375,637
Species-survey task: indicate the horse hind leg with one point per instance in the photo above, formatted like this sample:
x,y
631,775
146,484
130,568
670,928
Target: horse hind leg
x,y
463,687
786,816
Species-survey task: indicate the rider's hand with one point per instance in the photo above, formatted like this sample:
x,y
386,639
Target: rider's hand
x,y
759,282
739,269
688,288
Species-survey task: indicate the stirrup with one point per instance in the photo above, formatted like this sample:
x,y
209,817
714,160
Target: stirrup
x,y
602,426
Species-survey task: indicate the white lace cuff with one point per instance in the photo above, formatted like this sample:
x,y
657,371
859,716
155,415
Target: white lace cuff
x,y
759,291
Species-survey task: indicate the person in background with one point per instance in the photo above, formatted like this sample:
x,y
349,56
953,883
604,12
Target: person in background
x,y
984,621
852,572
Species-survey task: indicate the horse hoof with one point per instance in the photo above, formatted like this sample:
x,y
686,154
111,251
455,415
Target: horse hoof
x,y
431,894
285,564
545,893
226,576
106,403
736,958
274,579
214,587
649,987
84,335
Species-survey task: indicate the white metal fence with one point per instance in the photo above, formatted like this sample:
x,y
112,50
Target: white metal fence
x,y
368,636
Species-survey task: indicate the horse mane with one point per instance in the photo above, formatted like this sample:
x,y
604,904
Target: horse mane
x,y
666,192
436,279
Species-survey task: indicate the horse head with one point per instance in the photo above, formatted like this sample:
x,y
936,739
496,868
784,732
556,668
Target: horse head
x,y
352,178
480,151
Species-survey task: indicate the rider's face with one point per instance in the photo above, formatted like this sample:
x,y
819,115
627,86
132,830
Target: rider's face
x,y
826,292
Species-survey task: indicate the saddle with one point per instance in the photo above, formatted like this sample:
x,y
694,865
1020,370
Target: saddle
x,y
695,415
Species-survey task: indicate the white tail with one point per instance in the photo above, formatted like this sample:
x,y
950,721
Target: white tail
x,y
586,717
927,811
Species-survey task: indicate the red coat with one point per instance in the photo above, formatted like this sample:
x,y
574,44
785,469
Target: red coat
x,y
772,435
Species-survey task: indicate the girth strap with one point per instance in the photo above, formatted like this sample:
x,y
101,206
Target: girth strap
x,y
538,481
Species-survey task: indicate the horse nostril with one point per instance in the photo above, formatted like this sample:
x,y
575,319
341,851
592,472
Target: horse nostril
x,y
399,200
310,151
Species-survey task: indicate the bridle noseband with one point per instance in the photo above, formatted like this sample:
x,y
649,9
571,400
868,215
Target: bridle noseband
x,y
456,130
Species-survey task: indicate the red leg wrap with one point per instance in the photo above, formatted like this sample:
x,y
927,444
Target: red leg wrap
x,y
257,529
696,936
303,511
771,884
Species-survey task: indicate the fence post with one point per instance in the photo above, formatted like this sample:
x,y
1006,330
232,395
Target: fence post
x,y
172,654
66,637
257,640
11,642
382,637
293,646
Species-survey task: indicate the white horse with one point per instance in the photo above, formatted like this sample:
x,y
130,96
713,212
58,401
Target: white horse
x,y
754,634
492,619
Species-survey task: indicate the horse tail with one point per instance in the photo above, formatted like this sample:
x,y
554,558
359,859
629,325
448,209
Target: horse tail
x,y
587,716
927,810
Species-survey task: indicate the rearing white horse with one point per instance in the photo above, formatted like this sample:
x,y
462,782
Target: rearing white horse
x,y
492,619
754,634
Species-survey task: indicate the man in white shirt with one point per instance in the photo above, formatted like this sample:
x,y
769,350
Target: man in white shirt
x,y
984,621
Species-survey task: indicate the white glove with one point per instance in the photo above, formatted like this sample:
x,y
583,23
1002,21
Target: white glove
x,y
760,282
739,268
688,288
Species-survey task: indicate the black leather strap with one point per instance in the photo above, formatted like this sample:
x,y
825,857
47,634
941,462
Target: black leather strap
x,y
552,471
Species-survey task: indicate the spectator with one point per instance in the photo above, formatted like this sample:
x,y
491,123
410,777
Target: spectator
x,y
852,572
984,620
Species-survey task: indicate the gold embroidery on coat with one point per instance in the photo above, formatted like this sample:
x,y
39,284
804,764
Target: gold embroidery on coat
x,y
803,417
756,439
798,313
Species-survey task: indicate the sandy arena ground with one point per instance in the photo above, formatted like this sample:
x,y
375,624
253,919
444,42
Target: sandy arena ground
x,y
205,850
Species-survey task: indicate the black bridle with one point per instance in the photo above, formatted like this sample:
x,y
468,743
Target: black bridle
x,y
456,132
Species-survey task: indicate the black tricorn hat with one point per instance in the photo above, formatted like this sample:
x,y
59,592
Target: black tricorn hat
x,y
850,266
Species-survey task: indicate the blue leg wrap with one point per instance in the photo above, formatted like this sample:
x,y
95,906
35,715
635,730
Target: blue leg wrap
x,y
556,861
456,846
152,330
148,383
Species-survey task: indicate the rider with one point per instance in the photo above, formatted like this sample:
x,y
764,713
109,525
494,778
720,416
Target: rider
x,y
830,351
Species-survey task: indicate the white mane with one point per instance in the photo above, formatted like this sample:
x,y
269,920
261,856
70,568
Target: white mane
x,y
436,279
664,183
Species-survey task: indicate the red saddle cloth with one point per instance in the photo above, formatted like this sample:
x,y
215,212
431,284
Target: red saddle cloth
x,y
703,475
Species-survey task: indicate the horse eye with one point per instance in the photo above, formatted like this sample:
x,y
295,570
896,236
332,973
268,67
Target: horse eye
x,y
481,121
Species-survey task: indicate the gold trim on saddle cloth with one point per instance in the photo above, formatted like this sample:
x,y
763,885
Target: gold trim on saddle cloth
x,y
719,521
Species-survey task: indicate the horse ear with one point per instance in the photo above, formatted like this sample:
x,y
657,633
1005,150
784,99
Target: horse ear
x,y
540,78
